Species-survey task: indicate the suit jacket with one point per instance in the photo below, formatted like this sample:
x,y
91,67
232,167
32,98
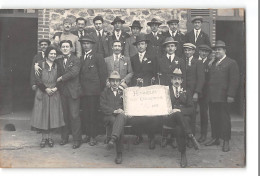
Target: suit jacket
x,y
38,57
77,34
125,68
195,75
130,49
109,102
122,39
183,102
70,85
180,38
204,91
223,80
145,70
93,74
104,43
203,38
155,44
166,67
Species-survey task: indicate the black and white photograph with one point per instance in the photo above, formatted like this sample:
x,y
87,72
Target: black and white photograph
x,y
123,88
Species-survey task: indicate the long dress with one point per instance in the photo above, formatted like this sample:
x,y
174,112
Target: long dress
x,y
47,112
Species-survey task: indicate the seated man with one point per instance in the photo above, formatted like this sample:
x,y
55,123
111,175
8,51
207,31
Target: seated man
x,y
111,104
182,107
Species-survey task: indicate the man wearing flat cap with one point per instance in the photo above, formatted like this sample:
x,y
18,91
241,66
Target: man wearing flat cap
x,y
118,33
145,70
155,38
130,48
100,37
67,35
223,84
176,35
204,51
195,77
93,75
197,36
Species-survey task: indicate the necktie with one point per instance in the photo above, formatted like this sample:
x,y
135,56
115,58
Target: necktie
x,y
65,59
81,33
141,57
173,34
43,55
177,92
196,37
99,35
170,58
114,91
117,36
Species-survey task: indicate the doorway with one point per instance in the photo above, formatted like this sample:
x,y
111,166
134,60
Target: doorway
x,y
233,34
18,45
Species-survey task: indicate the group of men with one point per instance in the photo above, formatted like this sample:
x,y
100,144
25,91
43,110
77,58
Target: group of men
x,y
99,65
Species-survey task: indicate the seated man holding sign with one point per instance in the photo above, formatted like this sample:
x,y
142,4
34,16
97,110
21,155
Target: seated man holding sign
x,y
111,104
182,107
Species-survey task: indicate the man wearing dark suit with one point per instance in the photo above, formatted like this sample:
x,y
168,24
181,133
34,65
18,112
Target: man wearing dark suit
x,y
120,63
111,105
100,37
195,77
43,43
130,49
176,35
93,75
155,38
69,66
197,36
81,24
168,62
182,107
118,34
204,51
223,84
145,70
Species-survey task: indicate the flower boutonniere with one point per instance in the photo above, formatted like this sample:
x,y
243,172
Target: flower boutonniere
x,y
91,66
70,65
144,59
122,57
120,93
90,56
176,62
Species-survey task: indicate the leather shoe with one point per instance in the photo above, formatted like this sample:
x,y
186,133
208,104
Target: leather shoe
x,y
118,159
63,142
76,144
152,144
138,140
92,142
183,160
110,144
226,147
202,139
213,142
194,142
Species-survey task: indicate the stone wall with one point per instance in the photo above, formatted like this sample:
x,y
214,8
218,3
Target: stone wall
x,y
56,17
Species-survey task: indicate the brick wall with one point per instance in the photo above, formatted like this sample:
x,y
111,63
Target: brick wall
x,y
50,20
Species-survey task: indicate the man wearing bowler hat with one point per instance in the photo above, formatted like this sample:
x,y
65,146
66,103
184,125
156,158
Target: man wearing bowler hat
x,y
155,38
93,75
118,33
176,35
130,49
197,36
223,84
195,77
145,70
204,52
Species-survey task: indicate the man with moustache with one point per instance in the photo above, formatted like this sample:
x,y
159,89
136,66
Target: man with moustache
x,y
69,67
176,35
204,52
130,49
67,35
118,33
195,78
155,38
223,84
100,37
93,75
81,24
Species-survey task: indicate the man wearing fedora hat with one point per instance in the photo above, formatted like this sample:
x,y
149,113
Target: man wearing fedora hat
x,y
93,75
197,36
100,37
169,62
118,34
130,49
195,77
223,84
145,68
155,37
182,105
111,105
204,52
176,35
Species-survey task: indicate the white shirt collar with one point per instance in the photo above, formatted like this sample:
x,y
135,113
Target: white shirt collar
x,y
88,52
175,89
172,56
118,33
119,55
143,53
80,33
174,33
154,33
204,60
220,60
101,32
196,31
